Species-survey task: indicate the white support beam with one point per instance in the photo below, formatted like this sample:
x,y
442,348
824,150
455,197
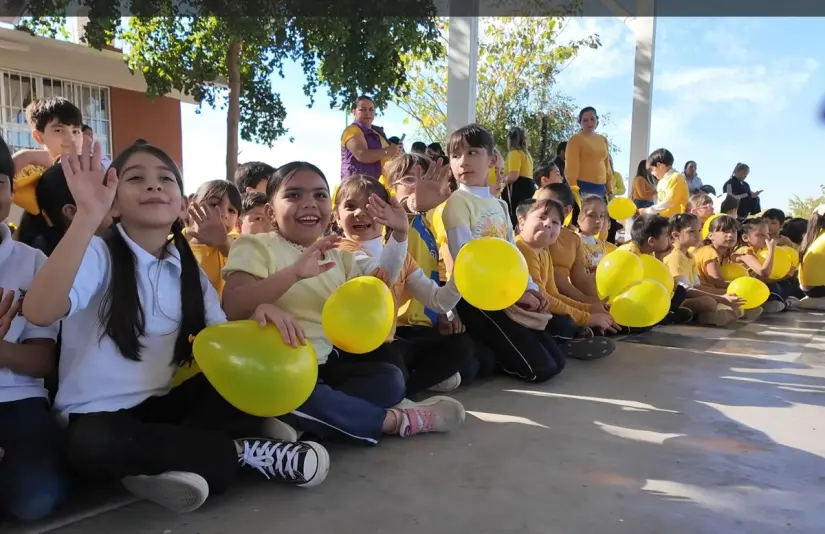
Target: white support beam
x,y
644,29
462,60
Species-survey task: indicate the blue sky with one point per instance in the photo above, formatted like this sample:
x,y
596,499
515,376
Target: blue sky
x,y
725,91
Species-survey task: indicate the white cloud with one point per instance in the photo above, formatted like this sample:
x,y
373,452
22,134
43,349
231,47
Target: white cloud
x,y
612,59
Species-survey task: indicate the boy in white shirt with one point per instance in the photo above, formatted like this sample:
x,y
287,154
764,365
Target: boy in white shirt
x,y
31,481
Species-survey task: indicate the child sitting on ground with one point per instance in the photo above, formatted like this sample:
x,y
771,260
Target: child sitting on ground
x,y
794,229
649,235
252,176
753,238
592,220
254,216
810,271
775,218
701,205
709,305
730,206
539,226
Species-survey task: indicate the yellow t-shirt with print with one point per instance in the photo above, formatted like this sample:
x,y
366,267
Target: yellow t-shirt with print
x,y
594,250
682,265
484,216
354,131
262,255
519,160
674,189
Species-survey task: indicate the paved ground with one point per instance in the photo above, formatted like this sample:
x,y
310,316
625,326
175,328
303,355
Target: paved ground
x,y
722,434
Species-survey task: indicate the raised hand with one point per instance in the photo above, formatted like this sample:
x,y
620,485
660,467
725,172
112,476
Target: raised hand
x,y
312,260
92,189
392,214
8,311
432,189
770,243
292,332
205,225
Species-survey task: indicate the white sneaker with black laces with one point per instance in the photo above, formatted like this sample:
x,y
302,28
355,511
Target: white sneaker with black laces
x,y
178,491
303,463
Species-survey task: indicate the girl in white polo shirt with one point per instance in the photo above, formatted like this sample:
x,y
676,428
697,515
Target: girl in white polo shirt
x,y
130,303
31,483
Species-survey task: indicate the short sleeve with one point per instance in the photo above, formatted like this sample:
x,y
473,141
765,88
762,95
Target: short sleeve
x,y
513,162
91,277
456,213
350,132
211,303
705,255
249,255
31,331
673,263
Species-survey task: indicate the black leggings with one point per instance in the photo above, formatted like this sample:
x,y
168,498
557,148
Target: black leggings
x,y
191,429
816,292
520,352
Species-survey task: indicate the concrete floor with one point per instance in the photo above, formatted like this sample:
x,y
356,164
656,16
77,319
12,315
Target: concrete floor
x,y
724,434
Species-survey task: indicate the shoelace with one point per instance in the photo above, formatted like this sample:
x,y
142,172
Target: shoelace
x,y
272,459
424,421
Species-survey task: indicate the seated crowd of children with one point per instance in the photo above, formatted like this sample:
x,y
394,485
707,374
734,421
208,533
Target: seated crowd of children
x,y
120,270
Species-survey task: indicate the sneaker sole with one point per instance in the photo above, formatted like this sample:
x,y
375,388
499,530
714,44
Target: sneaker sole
x,y
176,491
322,469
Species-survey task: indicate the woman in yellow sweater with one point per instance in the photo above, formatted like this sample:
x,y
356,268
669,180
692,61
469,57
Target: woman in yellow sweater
x,y
587,161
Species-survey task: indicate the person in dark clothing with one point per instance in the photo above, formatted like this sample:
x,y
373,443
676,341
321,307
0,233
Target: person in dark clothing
x,y
559,161
738,188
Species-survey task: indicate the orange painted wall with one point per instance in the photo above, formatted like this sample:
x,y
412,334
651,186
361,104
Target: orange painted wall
x,y
158,121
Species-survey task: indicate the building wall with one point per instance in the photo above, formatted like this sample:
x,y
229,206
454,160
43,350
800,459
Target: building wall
x,y
158,121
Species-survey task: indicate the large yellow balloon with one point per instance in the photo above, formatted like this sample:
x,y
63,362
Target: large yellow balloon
x,y
654,269
781,263
706,226
732,271
621,208
253,369
791,253
812,270
358,317
644,303
754,292
616,271
490,273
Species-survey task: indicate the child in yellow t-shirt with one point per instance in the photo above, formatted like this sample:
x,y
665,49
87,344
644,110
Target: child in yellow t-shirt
x,y
672,191
753,239
471,212
812,266
710,305
287,275
592,220
701,205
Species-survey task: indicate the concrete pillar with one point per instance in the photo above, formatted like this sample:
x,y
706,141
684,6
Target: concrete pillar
x,y
462,60
644,28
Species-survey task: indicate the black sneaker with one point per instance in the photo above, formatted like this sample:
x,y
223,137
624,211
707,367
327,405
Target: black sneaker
x,y
303,463
680,316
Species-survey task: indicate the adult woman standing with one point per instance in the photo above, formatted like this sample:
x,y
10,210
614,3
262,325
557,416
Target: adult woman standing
x,y
692,178
518,172
587,160
738,188
642,191
364,146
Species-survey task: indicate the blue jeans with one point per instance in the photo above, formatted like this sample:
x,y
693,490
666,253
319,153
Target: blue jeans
x,y
641,204
32,481
351,398
589,188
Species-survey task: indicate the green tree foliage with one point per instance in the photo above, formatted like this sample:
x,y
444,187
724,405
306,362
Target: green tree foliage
x,y
518,61
244,44
803,207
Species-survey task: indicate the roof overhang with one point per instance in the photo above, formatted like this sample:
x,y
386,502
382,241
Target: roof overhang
x,y
77,62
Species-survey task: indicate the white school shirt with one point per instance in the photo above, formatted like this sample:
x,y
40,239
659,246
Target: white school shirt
x,y
94,375
18,265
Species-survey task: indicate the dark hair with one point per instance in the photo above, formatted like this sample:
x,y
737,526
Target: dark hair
x,y
394,140
359,99
699,199
562,192
86,128
545,206
660,155
774,214
647,227
45,230
287,171
517,139
121,311
729,203
562,146
816,224
795,229
682,221
141,141
585,110
43,111
688,162
746,227
474,135
641,170
436,147
722,223
418,148
251,173
6,162
543,169
253,200
590,199
219,189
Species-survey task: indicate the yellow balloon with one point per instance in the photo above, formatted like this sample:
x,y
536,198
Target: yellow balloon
x,y
812,270
490,273
253,369
616,271
791,253
654,269
753,291
358,317
706,226
781,263
643,303
621,208
732,271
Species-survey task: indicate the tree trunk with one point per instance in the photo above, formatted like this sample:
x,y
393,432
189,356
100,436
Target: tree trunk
x,y
543,147
233,112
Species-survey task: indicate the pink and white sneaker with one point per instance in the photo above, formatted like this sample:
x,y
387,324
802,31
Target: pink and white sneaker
x,y
436,414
